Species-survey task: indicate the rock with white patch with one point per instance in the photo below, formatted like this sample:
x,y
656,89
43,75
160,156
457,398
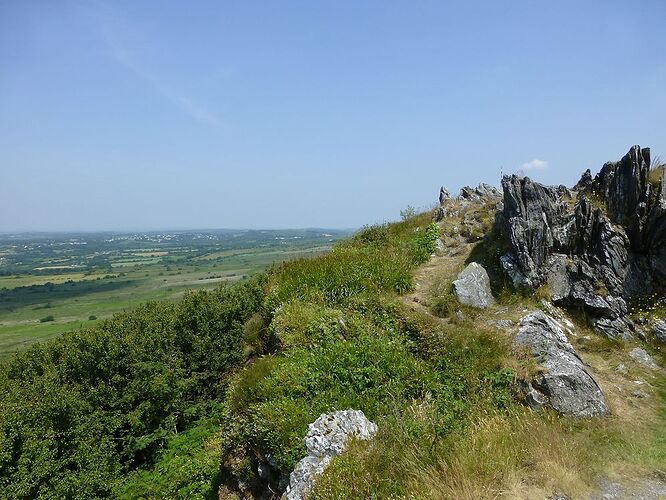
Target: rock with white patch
x,y
660,330
327,437
472,287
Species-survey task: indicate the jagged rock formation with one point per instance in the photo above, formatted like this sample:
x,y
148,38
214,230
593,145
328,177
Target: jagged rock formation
x,y
565,383
327,437
450,206
472,287
596,246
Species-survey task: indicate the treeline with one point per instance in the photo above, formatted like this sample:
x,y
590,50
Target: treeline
x,y
78,414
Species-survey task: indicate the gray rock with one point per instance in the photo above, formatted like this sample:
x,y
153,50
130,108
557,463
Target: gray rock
x,y
472,287
585,181
650,488
483,192
327,437
621,369
614,329
503,324
265,471
641,356
594,258
565,384
439,214
443,195
660,330
510,265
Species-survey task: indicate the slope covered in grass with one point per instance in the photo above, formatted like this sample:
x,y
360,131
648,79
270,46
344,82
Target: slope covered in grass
x,y
192,399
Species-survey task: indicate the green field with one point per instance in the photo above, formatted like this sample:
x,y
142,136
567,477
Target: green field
x,y
46,290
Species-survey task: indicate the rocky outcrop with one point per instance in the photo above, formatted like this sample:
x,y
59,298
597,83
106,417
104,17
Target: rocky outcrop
x,y
469,196
565,384
327,437
472,287
596,246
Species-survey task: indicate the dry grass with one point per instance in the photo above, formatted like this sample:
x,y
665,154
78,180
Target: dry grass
x,y
528,455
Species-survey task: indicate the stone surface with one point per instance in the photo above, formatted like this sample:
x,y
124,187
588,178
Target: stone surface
x,y
641,356
565,383
327,437
621,369
472,287
597,247
503,324
649,488
659,330
443,195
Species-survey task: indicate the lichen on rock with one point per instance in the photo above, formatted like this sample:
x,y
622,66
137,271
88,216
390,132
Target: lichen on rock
x,y
327,437
565,383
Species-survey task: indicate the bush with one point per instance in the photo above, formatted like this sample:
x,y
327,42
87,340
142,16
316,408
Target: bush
x,y
189,467
273,401
46,319
78,412
92,317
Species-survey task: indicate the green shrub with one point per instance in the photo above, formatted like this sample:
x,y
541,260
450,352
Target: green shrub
x,y
273,401
425,243
80,411
46,319
189,467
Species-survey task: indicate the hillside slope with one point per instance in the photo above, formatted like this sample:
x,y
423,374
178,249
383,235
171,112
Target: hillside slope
x,y
495,343
446,383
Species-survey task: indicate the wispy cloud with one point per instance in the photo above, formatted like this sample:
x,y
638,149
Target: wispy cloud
x,y
535,164
114,29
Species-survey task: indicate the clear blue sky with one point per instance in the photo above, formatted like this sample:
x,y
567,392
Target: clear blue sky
x,y
151,114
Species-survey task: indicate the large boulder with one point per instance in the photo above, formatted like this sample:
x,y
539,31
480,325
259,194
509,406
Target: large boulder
x,y
472,287
565,384
327,437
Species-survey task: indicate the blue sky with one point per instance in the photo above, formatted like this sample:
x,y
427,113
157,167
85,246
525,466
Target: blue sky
x,y
151,114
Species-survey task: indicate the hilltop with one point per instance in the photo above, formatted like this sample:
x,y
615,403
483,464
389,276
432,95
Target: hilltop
x,y
507,344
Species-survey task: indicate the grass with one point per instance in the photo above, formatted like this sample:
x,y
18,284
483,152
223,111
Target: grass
x,y
337,332
514,453
346,342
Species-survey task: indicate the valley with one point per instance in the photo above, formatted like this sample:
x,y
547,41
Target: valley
x,y
56,282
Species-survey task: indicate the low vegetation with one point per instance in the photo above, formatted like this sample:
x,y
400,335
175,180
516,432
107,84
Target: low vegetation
x,y
186,399
78,413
